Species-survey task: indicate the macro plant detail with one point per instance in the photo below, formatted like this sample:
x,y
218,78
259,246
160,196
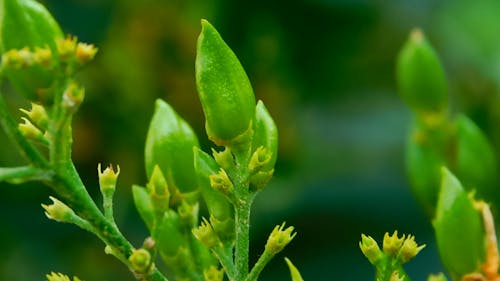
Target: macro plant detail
x,y
41,65
452,171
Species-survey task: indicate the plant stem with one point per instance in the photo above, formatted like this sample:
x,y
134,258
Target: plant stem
x,y
259,266
242,220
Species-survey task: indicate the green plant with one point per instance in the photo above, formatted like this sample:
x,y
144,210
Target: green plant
x,y
450,163
41,65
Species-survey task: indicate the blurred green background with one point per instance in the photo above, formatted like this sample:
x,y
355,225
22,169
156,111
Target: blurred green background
x,y
325,70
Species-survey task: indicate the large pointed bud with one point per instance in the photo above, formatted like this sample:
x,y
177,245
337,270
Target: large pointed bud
x,y
225,92
420,76
26,24
459,229
169,144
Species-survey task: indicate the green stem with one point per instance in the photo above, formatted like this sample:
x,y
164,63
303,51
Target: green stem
x,y
259,266
242,221
22,174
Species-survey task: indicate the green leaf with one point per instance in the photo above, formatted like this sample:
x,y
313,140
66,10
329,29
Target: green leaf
x,y
27,23
294,272
169,144
459,229
224,89
420,76
144,206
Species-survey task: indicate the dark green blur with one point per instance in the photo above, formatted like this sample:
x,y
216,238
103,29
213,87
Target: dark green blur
x,y
326,72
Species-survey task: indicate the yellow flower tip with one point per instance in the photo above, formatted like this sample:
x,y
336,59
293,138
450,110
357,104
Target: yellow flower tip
x,y
206,234
222,183
58,211
279,238
17,59
85,52
43,56
108,177
392,243
57,277
409,249
370,249
66,47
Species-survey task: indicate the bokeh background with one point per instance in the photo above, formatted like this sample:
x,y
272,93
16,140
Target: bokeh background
x,y
324,68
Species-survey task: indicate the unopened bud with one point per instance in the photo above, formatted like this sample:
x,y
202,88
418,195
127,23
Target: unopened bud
x,y
158,191
222,183
85,52
66,47
409,249
260,158
43,56
260,179
224,158
213,274
140,260
205,233
29,131
392,243
107,179
38,115
59,211
370,249
73,96
279,238
17,59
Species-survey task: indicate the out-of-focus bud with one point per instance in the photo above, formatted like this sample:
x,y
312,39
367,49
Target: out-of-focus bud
x,y
31,132
475,162
158,192
38,115
188,213
85,52
140,261
420,75
59,277
437,277
28,24
462,249
224,89
66,48
169,144
17,59
73,96
213,274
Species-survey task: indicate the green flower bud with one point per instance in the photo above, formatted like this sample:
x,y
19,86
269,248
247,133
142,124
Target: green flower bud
x,y
213,274
424,160
59,211
420,76
392,243
224,89
158,192
279,238
462,249
206,234
294,272
140,261
409,249
217,204
27,23
475,162
221,182
107,180
370,249
265,134
143,204
169,144
170,237
38,115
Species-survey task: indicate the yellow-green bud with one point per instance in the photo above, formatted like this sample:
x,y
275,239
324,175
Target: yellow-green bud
x,y
260,179
437,277
213,274
43,56
224,158
30,131
66,48
279,238
409,249
38,115
17,59
265,134
85,52
73,96
370,249
260,158
392,243
140,261
222,183
206,234
59,211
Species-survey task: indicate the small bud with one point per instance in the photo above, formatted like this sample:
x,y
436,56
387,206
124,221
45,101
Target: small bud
x,y
213,274
107,179
17,59
205,233
279,238
260,179
66,47
30,131
260,158
224,158
370,249
437,277
140,261
396,277
38,115
392,243
158,192
73,96
43,56
59,277
225,229
409,249
149,244
59,211
85,52
265,133
188,213
294,272
222,183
